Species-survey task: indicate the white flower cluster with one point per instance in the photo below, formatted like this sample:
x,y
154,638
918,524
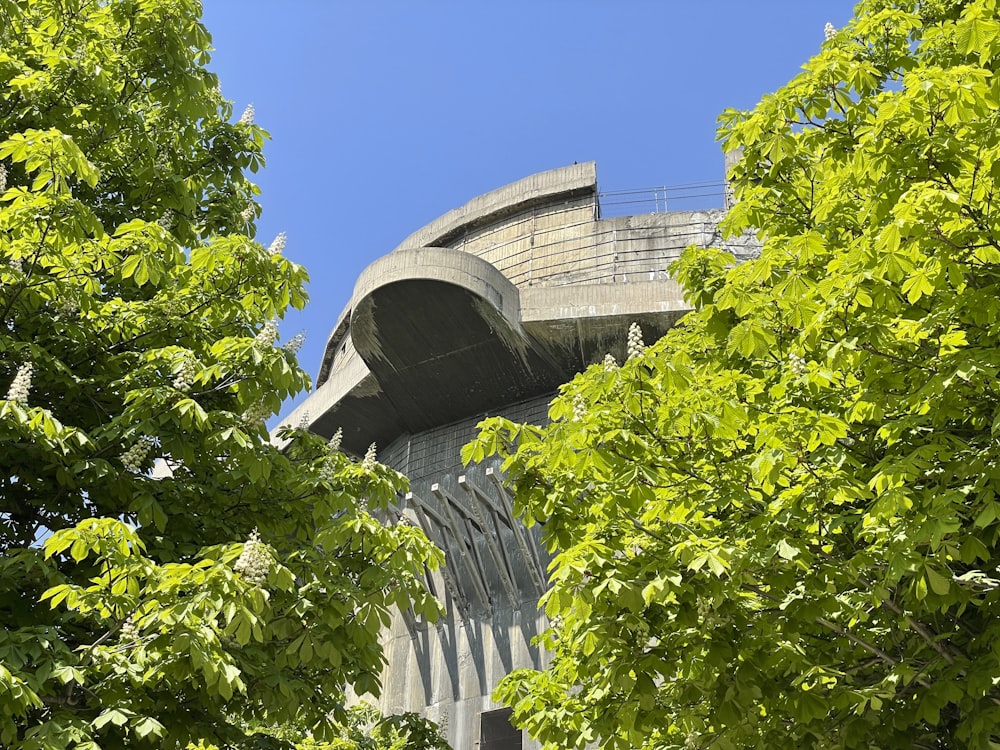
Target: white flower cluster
x,y
21,384
248,114
254,562
128,633
184,378
335,441
69,306
610,365
267,335
304,421
829,31
635,344
328,470
295,343
256,413
797,365
134,457
370,458
167,219
248,213
579,408
3,178
15,263
278,244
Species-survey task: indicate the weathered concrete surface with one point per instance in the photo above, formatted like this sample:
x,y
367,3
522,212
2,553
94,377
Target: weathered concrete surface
x,y
441,352
494,576
486,311
580,324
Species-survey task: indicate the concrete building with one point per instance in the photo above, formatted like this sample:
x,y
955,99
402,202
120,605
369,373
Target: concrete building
x,y
486,311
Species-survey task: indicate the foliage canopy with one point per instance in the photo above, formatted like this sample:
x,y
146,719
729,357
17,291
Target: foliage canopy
x,y
779,525
235,585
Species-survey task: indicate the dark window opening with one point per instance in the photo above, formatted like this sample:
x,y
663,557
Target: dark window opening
x,y
496,732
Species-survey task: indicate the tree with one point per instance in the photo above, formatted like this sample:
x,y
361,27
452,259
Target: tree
x,y
364,728
167,575
778,526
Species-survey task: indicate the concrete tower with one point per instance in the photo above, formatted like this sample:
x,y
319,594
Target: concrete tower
x,y
486,311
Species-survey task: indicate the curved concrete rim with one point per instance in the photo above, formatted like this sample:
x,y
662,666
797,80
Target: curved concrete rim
x,y
442,264
543,187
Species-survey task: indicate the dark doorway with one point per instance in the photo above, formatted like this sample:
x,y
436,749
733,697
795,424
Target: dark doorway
x,y
496,732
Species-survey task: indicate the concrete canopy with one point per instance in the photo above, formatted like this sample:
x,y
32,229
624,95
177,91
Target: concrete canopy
x,y
439,330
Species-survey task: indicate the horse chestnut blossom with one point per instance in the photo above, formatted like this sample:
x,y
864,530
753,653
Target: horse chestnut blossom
x,y
797,365
254,562
370,458
248,114
278,244
610,365
267,335
134,457
295,343
69,306
829,31
635,344
128,633
184,378
21,384
258,412
338,436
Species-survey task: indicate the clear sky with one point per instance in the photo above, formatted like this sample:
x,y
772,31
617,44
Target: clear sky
x,y
386,114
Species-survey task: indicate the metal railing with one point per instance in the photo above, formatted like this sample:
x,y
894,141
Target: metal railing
x,y
657,200
579,250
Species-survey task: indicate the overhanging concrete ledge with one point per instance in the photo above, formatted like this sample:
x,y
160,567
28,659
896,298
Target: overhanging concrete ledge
x,y
440,330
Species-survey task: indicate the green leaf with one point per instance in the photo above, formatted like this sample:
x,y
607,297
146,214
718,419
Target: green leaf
x,y
115,716
148,726
786,551
938,583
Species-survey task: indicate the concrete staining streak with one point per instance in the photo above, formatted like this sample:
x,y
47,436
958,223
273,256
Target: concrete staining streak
x,y
363,328
487,311
511,337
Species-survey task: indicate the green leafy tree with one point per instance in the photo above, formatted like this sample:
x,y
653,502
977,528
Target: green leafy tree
x,y
778,526
362,728
167,575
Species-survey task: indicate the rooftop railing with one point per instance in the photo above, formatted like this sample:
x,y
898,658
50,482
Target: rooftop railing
x,y
657,200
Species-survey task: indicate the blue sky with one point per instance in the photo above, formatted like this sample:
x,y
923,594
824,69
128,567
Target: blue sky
x,y
385,115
